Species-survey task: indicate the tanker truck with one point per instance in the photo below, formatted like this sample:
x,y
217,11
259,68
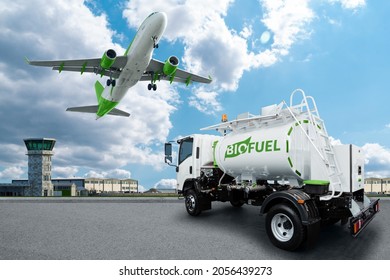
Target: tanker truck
x,y
283,161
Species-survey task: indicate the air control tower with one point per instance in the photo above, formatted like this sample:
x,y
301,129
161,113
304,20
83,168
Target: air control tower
x,y
39,152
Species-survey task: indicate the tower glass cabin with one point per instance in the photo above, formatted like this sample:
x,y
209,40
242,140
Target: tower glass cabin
x,y
39,152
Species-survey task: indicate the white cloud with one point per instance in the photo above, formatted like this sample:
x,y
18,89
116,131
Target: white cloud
x,y
288,21
335,142
219,52
10,173
350,4
141,189
186,18
385,173
94,174
64,171
115,173
212,48
246,32
377,160
13,153
205,101
376,154
166,184
333,22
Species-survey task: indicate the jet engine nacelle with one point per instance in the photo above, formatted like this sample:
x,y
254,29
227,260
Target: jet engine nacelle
x,y
108,59
170,65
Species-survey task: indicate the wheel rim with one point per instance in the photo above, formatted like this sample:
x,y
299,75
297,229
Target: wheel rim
x,y
190,203
282,227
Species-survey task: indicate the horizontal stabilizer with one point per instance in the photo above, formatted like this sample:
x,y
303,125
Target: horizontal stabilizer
x,y
117,112
94,108
85,109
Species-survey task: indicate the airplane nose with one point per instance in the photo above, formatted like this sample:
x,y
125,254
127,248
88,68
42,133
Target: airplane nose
x,y
161,16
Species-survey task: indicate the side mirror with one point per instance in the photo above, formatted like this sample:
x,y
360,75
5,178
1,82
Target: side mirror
x,y
168,153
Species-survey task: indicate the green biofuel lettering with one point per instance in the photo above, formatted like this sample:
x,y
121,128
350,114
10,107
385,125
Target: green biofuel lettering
x,y
246,146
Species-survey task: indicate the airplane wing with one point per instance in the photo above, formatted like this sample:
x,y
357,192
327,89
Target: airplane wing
x,y
156,68
89,65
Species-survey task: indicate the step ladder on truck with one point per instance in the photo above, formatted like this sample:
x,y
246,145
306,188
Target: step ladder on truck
x,y
283,161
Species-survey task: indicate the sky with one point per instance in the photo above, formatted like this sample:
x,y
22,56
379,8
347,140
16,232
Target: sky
x,y
257,52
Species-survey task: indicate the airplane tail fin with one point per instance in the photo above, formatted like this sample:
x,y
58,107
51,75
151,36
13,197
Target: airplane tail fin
x,y
94,108
99,90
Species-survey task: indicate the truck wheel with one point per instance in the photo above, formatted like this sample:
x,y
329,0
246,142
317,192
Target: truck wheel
x,y
192,203
284,227
236,203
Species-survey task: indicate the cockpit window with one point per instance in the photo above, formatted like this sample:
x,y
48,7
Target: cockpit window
x,y
152,14
185,150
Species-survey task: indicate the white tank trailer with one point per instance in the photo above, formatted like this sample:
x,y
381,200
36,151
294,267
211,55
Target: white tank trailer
x,y
283,161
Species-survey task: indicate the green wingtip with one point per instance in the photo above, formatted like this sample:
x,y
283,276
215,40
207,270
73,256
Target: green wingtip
x,y
211,78
26,60
188,80
61,67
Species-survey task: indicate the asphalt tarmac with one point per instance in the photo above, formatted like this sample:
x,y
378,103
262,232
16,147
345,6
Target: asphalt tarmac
x,y
125,229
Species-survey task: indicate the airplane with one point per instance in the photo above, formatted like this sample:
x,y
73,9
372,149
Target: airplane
x,y
125,71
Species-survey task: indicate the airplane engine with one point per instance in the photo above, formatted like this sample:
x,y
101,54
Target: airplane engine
x,y
108,59
170,65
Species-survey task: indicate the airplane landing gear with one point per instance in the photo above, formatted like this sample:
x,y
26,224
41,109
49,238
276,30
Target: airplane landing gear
x,y
152,86
111,82
155,45
153,79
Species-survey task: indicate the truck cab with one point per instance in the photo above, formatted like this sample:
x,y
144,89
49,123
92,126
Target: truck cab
x,y
195,152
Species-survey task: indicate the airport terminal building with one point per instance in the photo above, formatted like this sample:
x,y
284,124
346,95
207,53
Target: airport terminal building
x,y
40,183
74,187
97,185
377,185
100,185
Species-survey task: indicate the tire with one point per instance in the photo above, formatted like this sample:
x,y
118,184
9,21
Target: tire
x,y
284,227
236,203
192,203
149,86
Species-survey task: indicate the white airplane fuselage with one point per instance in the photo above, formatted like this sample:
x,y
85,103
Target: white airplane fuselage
x,y
139,54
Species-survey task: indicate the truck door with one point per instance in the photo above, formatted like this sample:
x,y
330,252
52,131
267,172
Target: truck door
x,y
185,168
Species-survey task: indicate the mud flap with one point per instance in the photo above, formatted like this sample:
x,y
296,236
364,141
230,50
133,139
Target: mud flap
x,y
312,234
204,203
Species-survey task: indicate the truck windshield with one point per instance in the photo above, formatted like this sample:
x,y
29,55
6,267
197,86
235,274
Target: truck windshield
x,y
185,150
